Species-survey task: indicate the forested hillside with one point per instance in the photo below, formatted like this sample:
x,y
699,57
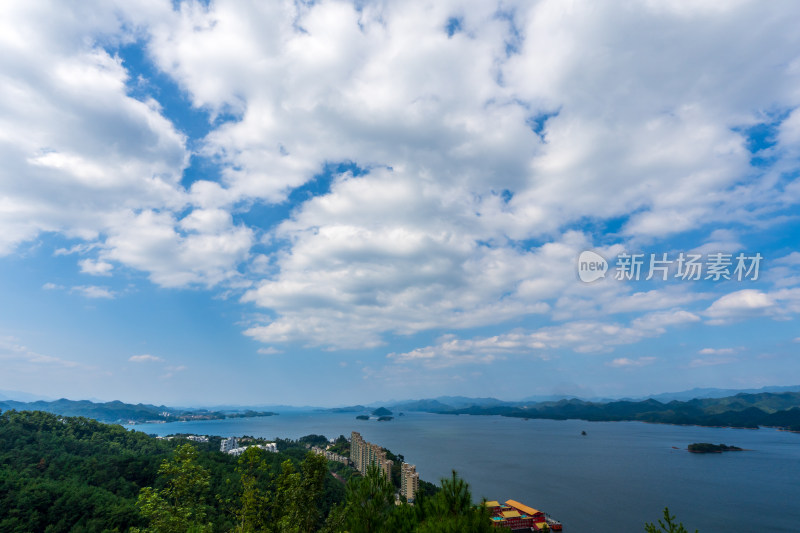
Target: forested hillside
x,y
742,410
76,474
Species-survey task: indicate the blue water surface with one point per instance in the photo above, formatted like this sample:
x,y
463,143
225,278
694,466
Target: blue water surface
x,y
615,478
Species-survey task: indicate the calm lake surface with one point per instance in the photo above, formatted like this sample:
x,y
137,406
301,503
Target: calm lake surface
x,y
616,478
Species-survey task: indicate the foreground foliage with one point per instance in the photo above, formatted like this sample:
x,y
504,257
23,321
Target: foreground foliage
x,y
668,525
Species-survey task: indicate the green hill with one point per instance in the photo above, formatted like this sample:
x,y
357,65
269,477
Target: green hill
x,y
780,410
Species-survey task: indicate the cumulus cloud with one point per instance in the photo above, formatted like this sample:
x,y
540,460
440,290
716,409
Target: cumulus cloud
x,y
145,358
95,268
407,268
578,336
747,303
201,248
384,85
84,147
624,362
669,297
94,292
710,361
477,163
401,250
716,351
97,162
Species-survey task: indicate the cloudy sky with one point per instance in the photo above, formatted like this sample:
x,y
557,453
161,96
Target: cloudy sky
x,y
335,202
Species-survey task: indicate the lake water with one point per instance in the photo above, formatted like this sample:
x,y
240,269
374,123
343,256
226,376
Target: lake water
x,y
616,478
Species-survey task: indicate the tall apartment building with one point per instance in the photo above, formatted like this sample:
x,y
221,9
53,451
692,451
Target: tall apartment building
x,y
409,481
364,453
228,444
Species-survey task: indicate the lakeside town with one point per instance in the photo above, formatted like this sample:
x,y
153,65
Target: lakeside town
x,y
361,455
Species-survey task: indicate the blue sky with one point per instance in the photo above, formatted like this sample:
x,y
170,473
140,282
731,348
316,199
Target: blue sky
x,y
333,202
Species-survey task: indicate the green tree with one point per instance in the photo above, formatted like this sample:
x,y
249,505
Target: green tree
x,y
666,526
404,518
180,506
314,469
335,522
301,495
451,510
285,485
253,515
370,502
298,495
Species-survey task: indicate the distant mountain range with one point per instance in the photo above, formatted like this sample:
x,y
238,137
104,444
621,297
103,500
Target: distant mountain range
x,y
449,403
119,412
769,406
699,393
773,409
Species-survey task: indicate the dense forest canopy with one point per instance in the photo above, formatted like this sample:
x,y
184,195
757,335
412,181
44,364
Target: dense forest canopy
x,y
76,474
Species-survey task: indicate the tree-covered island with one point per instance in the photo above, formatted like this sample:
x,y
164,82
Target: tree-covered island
x,y
707,447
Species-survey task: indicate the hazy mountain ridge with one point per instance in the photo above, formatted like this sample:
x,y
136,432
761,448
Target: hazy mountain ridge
x,y
778,409
700,393
742,410
120,412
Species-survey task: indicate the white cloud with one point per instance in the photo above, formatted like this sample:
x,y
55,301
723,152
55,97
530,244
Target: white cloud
x,y
624,362
172,370
740,303
710,361
784,271
465,217
50,286
668,297
88,160
394,89
405,268
780,304
716,351
11,351
94,292
206,252
81,148
95,268
578,336
269,350
145,358
394,251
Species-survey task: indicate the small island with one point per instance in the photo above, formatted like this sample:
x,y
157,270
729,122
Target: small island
x,y
706,447
382,414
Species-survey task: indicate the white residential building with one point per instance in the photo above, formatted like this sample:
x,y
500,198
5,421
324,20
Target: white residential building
x,y
269,447
228,444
